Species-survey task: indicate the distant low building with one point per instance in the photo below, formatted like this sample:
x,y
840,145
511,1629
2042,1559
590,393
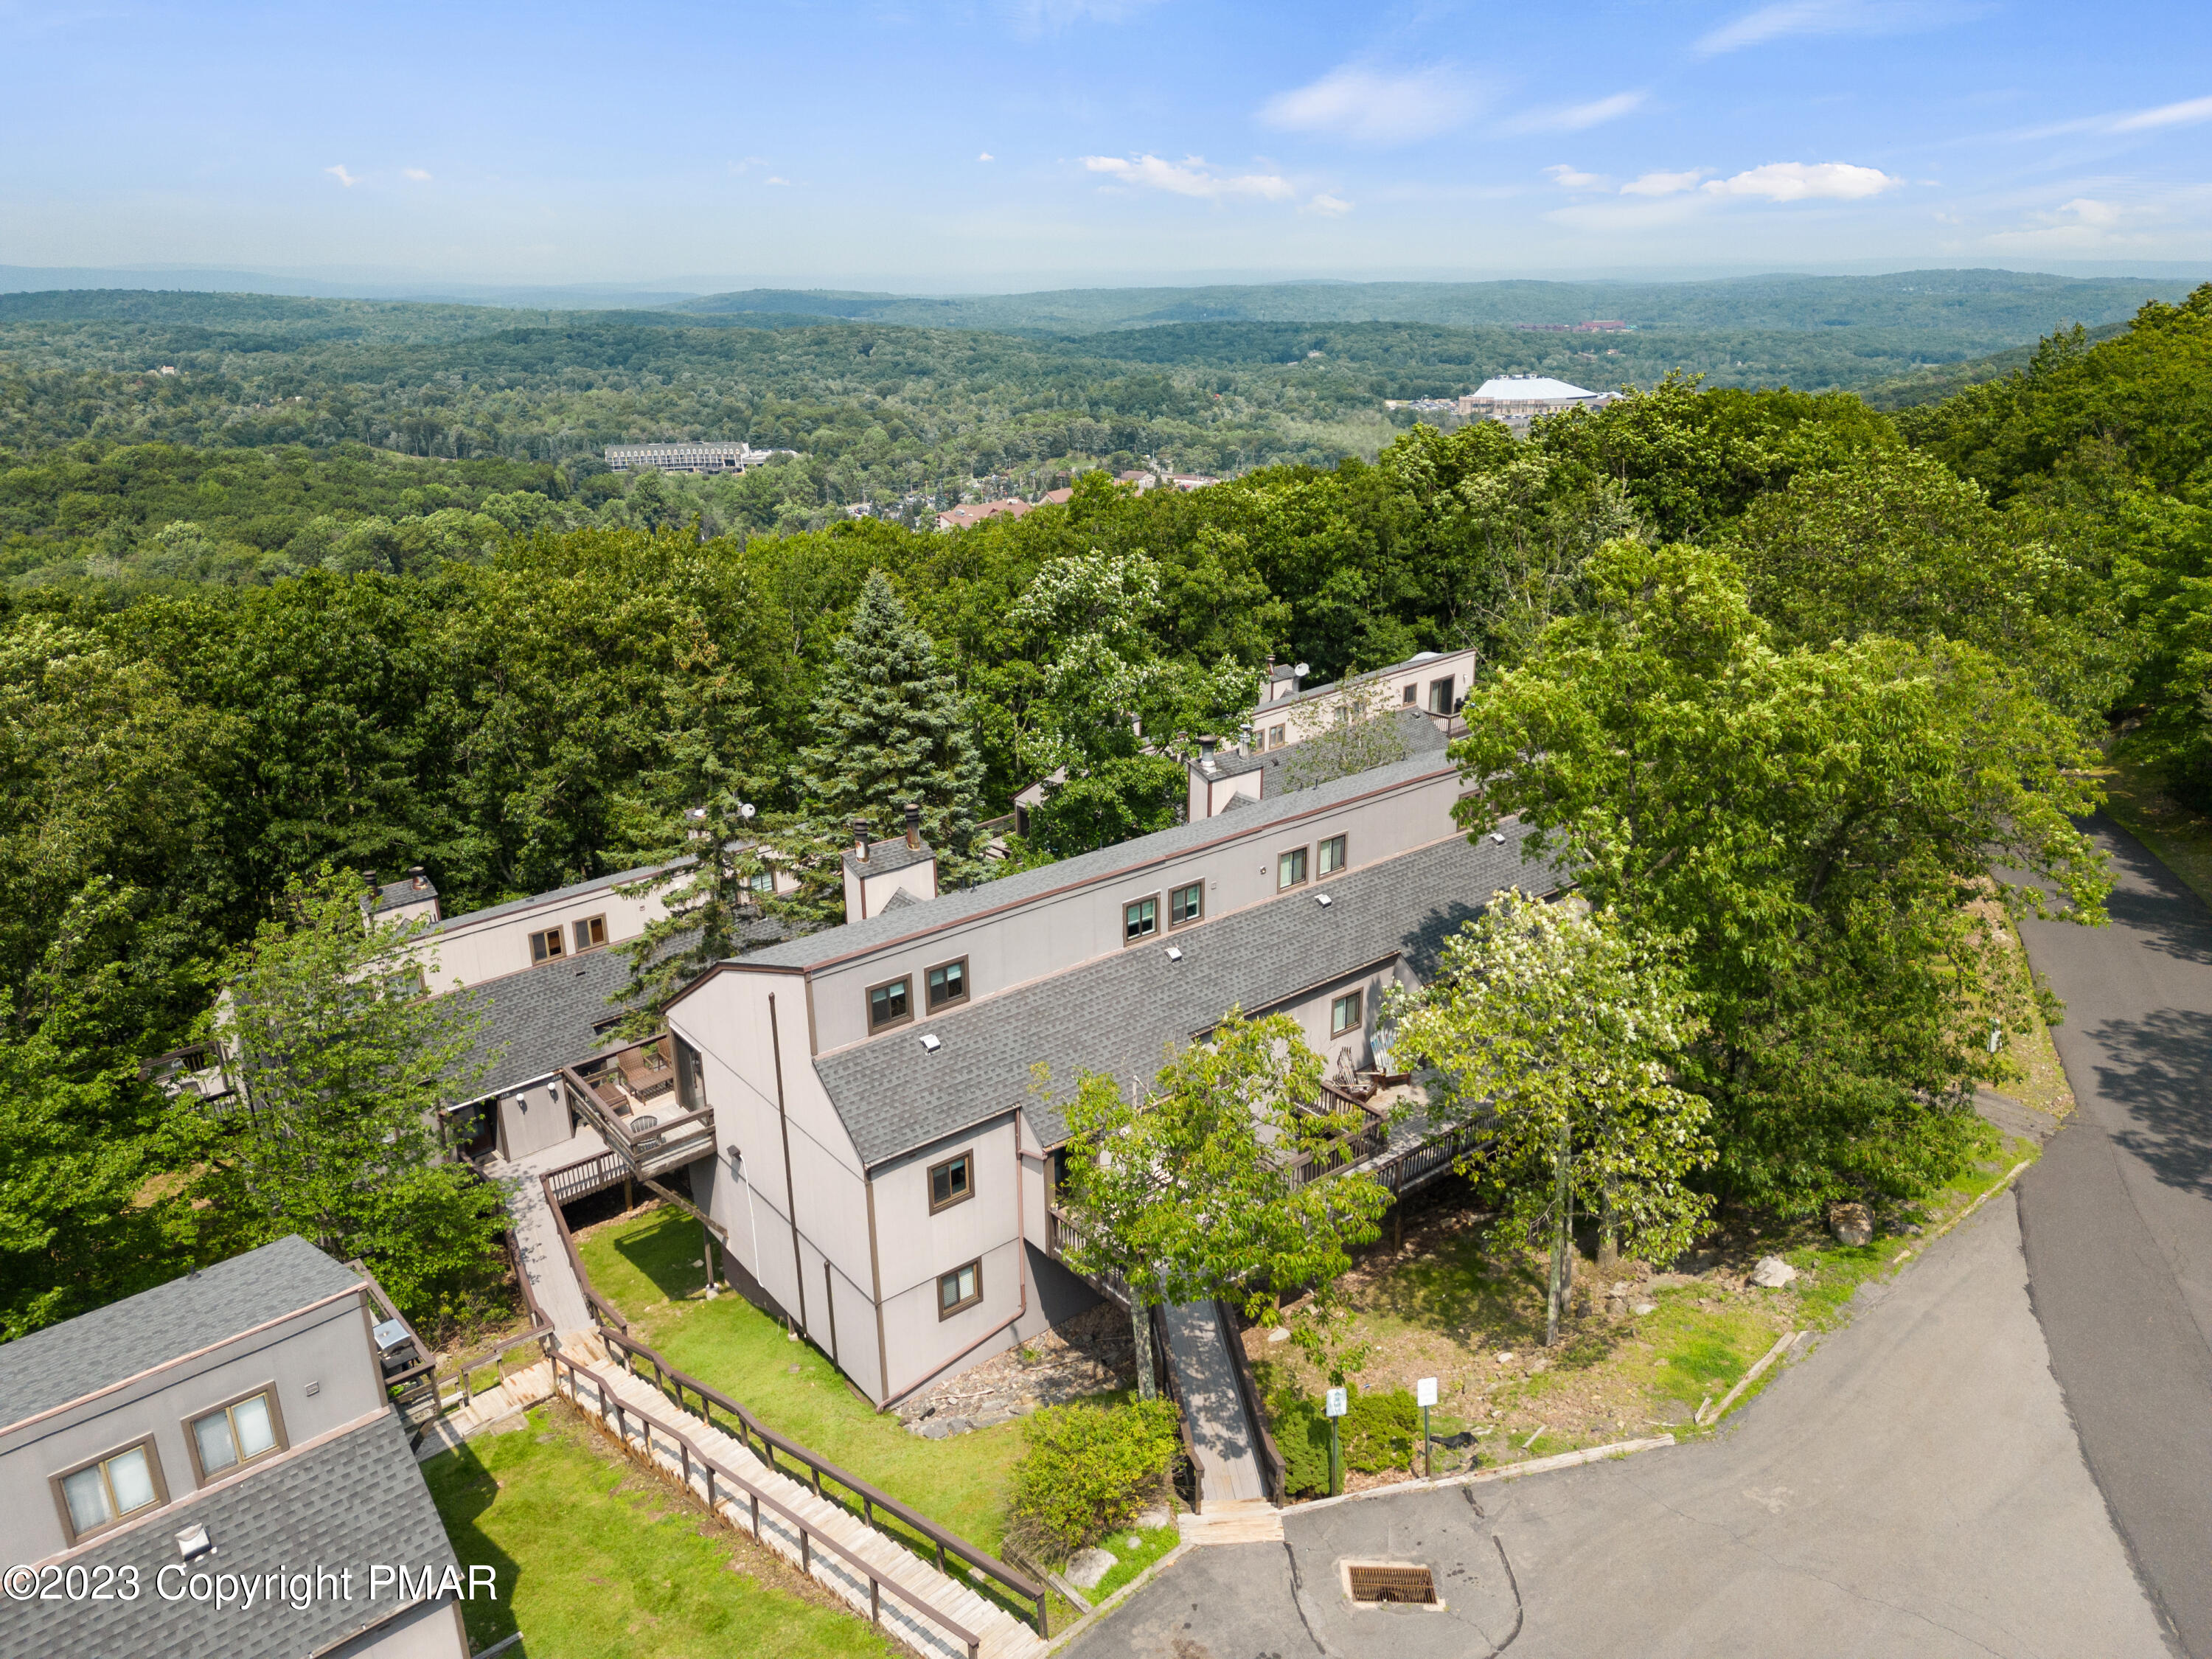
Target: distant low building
x,y
974,513
689,457
1517,399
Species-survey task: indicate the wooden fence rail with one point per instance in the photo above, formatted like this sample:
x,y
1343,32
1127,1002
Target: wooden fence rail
x,y
809,1537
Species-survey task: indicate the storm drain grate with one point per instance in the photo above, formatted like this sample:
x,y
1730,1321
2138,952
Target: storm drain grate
x,y
1412,1585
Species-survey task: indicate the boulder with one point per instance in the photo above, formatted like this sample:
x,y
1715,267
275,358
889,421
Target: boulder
x,y
1642,1308
1153,1519
1852,1223
1086,1567
1772,1273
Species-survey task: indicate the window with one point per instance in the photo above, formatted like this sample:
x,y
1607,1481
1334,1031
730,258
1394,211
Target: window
x,y
960,1289
1332,855
951,1183
103,1492
546,946
1141,919
690,1075
1276,736
947,984
591,931
1291,868
1186,904
1346,1013
761,881
237,1433
890,1004
1412,691
1440,695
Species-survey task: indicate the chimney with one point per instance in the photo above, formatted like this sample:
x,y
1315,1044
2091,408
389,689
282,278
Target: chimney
x,y
1205,753
861,839
913,825
414,875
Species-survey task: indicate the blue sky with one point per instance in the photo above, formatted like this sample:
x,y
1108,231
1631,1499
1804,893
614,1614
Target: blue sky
x,y
1009,143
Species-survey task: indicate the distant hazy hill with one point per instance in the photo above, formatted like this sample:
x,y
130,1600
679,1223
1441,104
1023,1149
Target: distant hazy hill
x,y
1933,382
1989,307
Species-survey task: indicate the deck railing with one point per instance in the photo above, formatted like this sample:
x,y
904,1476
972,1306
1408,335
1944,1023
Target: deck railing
x,y
809,1537
750,1428
604,1311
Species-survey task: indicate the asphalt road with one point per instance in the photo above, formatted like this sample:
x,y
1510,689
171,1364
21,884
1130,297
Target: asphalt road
x,y
2118,1220
1911,1488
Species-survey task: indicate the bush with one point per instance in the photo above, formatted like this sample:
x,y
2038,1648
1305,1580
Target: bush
x,y
1380,1430
1085,1470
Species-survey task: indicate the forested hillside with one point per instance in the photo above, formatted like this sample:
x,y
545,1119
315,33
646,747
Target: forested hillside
x,y
523,678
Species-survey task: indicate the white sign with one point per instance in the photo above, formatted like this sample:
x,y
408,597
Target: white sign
x,y
1424,1391
1337,1404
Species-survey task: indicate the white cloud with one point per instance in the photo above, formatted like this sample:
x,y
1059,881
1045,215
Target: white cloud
x,y
1802,181
1331,206
773,180
987,157
2166,115
1567,178
417,174
1189,177
1576,118
344,177
1376,106
1662,184
1794,17
1036,16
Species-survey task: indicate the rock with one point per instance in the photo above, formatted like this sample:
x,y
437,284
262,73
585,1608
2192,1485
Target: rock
x,y
1852,1223
1153,1519
944,1428
1279,1335
1772,1273
1133,1542
1086,1567
1646,1308
1505,1359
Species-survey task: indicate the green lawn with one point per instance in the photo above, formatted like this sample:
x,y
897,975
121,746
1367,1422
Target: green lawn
x,y
599,1560
648,1267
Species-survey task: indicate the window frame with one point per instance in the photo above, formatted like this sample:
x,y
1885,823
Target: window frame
x,y
1153,931
548,945
928,991
1447,684
201,1474
1278,735
1194,917
1357,997
1303,855
945,1312
1413,696
869,1004
967,1155
581,927
1322,869
145,1443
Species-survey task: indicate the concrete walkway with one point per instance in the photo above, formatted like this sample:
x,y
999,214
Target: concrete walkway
x,y
1911,1488
537,1237
1197,1349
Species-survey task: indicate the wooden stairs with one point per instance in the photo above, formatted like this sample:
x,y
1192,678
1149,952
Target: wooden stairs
x,y
1233,1520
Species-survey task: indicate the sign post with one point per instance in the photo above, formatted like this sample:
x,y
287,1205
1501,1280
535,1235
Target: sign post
x,y
1335,1406
1425,1395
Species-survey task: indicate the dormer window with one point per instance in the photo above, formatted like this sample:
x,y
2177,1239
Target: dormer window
x,y
890,1004
590,933
546,947
111,1489
237,1433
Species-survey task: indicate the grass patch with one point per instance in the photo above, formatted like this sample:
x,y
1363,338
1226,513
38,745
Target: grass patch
x,y
1134,1549
598,1560
649,1265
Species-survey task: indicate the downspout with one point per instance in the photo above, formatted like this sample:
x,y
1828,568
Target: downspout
x,y
790,1190
876,1289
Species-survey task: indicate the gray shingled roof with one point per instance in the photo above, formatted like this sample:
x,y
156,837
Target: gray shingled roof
x,y
1118,1015
886,856
1107,861
352,1502
393,894
80,1356
597,884
1421,735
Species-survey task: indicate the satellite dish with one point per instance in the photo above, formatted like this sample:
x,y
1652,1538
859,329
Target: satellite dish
x,y
746,809
1303,670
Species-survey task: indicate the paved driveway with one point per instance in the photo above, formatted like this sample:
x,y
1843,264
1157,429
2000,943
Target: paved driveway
x,y
2118,1219
1912,1487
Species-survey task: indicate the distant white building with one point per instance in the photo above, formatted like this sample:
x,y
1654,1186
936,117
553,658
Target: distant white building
x,y
1517,399
689,457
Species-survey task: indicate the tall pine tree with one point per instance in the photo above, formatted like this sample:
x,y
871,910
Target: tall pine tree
x,y
891,728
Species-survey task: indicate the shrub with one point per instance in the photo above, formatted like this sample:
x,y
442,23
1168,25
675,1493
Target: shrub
x,y
1302,1437
1085,1470
1380,1430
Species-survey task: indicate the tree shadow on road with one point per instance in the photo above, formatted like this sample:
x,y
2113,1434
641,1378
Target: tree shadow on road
x,y
2152,901
2160,1069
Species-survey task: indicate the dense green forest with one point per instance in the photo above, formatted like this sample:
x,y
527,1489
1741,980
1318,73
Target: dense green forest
x,y
532,671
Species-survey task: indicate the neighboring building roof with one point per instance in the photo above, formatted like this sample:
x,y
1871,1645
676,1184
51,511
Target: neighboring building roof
x,y
410,889
1421,733
1524,388
1120,1014
901,899
352,1502
886,856
597,884
1266,710
83,1355
959,517
1057,498
1139,851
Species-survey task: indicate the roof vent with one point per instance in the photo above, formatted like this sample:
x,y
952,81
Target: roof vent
x,y
193,1542
1499,839
932,1042
1323,900
1174,953
1205,753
